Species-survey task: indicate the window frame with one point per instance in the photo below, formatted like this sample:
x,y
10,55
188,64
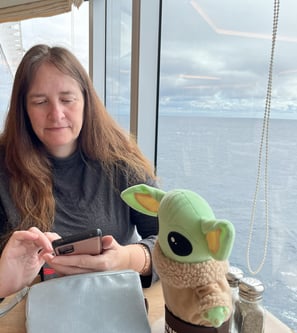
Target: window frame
x,y
145,63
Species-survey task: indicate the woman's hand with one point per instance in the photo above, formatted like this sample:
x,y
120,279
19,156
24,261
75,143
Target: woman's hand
x,y
113,257
22,259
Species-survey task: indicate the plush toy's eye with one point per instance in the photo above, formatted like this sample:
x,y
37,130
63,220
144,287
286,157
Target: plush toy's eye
x,y
179,244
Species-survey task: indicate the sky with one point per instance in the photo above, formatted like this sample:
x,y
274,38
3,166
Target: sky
x,y
69,30
217,54
214,54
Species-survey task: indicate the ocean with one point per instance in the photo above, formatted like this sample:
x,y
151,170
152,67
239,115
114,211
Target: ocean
x,y
217,157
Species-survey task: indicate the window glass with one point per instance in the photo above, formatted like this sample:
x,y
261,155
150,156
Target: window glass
x,y
118,60
70,30
213,82
5,84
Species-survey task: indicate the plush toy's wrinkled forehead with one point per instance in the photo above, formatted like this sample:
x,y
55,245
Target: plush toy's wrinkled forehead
x,y
184,205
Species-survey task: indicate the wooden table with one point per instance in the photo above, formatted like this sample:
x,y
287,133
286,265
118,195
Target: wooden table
x,y
14,321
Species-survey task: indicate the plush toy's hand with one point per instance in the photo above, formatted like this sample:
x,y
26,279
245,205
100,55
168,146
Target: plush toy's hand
x,y
217,315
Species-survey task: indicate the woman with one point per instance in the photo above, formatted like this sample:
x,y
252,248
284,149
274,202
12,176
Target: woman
x,y
64,162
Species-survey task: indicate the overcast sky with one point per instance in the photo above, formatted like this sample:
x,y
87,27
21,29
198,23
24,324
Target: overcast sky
x,y
70,30
215,54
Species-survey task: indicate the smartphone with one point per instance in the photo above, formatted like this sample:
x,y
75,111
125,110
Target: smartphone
x,y
88,242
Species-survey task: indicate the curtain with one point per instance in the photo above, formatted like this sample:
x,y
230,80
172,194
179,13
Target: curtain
x,y
17,10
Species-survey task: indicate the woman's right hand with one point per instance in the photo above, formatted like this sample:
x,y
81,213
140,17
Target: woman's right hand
x,y
21,259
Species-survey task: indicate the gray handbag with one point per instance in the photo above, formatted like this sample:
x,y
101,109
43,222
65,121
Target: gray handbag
x,y
103,302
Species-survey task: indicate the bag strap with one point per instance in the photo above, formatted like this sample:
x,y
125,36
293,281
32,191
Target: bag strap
x,y
11,303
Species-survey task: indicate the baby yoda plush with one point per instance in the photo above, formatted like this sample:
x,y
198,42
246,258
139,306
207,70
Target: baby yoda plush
x,y
190,257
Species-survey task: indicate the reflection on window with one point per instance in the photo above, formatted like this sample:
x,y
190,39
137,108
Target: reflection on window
x,y
118,67
70,30
214,70
5,85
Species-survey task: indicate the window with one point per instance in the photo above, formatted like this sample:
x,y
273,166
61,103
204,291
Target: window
x,y
118,59
130,32
213,81
70,30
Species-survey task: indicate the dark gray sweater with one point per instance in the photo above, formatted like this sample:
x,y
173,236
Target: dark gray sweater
x,y
85,199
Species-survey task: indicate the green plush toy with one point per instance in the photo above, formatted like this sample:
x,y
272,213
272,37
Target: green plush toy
x,y
190,257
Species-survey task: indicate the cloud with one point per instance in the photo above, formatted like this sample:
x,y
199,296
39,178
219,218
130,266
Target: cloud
x,y
70,30
213,54
231,43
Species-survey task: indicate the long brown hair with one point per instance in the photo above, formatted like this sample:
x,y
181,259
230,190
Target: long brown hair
x,y
101,138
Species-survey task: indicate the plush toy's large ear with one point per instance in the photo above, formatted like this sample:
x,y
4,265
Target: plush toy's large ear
x,y
220,236
143,198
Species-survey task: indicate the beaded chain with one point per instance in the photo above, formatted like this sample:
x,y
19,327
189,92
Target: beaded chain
x,y
264,139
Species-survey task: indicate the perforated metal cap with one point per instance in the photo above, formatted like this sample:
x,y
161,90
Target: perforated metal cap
x,y
251,289
234,275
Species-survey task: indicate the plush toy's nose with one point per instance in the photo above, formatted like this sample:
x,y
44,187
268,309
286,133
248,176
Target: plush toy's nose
x,y
179,244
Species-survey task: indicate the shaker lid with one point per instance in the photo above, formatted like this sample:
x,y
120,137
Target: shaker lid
x,y
251,289
234,275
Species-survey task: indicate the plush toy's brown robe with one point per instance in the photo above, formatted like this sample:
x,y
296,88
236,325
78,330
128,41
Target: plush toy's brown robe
x,y
191,289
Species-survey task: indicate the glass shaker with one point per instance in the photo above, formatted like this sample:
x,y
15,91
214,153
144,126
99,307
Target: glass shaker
x,y
233,276
251,317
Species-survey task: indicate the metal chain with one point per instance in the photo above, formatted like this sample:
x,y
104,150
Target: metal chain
x,y
264,140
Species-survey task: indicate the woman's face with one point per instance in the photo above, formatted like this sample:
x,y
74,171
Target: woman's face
x,y
55,107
